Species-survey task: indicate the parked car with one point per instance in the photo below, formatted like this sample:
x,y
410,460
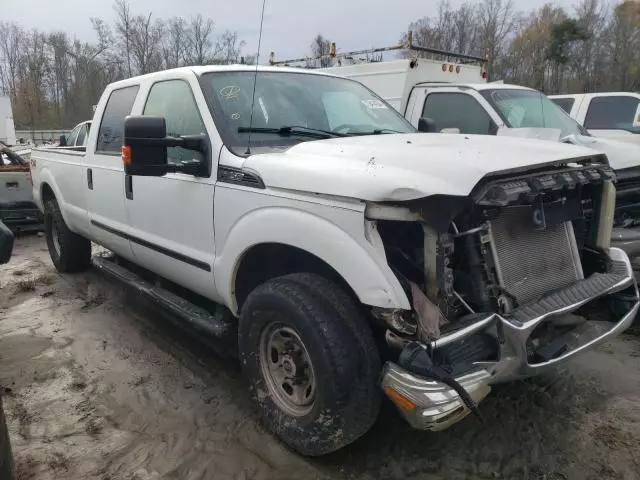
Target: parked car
x,y
6,458
77,139
605,114
325,227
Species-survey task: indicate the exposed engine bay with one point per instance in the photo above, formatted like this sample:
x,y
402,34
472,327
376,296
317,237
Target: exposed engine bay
x,y
517,276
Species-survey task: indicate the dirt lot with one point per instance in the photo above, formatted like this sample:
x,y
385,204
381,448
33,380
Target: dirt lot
x,y
98,385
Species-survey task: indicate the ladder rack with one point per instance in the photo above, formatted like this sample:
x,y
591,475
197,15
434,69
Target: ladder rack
x,y
408,45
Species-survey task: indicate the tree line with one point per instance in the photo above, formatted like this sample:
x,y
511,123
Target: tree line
x,y
593,47
53,80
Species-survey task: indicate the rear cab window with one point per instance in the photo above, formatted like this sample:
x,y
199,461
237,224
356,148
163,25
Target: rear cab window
x,y
565,103
618,112
111,130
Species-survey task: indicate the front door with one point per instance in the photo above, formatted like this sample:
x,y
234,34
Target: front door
x,y
104,175
171,217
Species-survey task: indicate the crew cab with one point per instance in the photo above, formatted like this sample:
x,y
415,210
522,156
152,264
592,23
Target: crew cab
x,y
605,114
300,217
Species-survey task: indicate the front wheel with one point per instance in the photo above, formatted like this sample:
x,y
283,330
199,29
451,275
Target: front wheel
x,y
311,362
69,251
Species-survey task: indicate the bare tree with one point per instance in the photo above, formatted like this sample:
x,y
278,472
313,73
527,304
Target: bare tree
x,y
198,41
124,25
321,47
497,20
228,48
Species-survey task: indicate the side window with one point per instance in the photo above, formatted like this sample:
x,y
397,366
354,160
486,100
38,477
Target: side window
x,y
615,113
173,100
564,103
71,139
81,141
111,132
457,110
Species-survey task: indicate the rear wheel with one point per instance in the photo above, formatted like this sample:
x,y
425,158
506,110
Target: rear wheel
x,y
69,251
311,362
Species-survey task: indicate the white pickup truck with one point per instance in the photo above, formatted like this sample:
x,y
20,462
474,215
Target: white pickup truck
x,y
605,114
343,252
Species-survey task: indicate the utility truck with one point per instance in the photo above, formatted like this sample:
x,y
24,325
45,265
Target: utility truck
x,y
300,217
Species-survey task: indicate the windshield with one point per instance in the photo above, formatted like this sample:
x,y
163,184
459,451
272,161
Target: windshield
x,y
312,106
531,109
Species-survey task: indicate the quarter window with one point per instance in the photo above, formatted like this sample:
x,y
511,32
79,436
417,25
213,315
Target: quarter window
x,y
173,100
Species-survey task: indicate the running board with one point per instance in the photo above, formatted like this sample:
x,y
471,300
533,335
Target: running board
x,y
220,325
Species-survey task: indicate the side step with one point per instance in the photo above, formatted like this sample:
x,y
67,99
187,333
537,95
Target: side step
x,y
221,325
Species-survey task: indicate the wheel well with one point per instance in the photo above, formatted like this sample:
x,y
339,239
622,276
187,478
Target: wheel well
x,y
47,192
269,260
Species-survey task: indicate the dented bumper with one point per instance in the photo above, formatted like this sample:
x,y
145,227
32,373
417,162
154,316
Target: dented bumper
x,y
431,405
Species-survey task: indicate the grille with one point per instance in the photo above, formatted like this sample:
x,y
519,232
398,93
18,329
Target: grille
x,y
533,262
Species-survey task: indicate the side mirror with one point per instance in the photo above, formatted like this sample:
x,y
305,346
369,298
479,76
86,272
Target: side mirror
x,y
144,152
426,125
63,140
6,243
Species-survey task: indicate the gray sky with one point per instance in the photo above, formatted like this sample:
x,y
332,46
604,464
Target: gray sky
x,y
288,28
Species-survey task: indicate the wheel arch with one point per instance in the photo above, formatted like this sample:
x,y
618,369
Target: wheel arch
x,y
291,240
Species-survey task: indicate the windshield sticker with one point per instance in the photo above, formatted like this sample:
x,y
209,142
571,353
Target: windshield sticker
x,y
264,110
374,104
230,92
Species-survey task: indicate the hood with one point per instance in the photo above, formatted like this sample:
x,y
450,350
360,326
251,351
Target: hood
x,y
404,166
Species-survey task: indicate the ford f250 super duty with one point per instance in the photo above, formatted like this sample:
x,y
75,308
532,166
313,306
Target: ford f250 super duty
x,y
345,254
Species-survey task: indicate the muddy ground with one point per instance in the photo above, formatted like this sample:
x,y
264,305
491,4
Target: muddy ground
x,y
98,385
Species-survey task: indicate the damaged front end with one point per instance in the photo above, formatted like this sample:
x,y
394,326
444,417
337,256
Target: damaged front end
x,y
516,278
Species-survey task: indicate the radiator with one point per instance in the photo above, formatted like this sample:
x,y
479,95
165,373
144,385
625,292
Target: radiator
x,y
532,262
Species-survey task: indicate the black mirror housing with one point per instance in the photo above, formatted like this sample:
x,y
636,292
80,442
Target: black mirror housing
x,y
427,125
145,148
63,140
6,243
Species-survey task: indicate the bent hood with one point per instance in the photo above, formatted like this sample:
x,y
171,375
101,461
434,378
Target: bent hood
x,y
404,166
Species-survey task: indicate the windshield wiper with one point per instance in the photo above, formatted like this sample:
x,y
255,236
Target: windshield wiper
x,y
294,130
377,131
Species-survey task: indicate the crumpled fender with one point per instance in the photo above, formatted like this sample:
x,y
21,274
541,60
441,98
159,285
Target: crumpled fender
x,y
357,262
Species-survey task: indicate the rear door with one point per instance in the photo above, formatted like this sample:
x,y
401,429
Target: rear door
x,y
104,179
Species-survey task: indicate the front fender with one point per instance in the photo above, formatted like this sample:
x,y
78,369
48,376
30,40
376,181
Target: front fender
x,y
357,262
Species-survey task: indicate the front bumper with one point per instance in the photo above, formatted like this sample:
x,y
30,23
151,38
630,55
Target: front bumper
x,y
431,405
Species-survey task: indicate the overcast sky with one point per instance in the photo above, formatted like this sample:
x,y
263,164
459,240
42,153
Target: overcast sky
x,y
289,25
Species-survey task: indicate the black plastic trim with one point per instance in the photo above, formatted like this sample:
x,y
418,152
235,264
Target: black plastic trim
x,y
238,176
165,251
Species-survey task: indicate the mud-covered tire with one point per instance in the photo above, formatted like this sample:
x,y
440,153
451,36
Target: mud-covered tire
x,y
69,251
342,352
